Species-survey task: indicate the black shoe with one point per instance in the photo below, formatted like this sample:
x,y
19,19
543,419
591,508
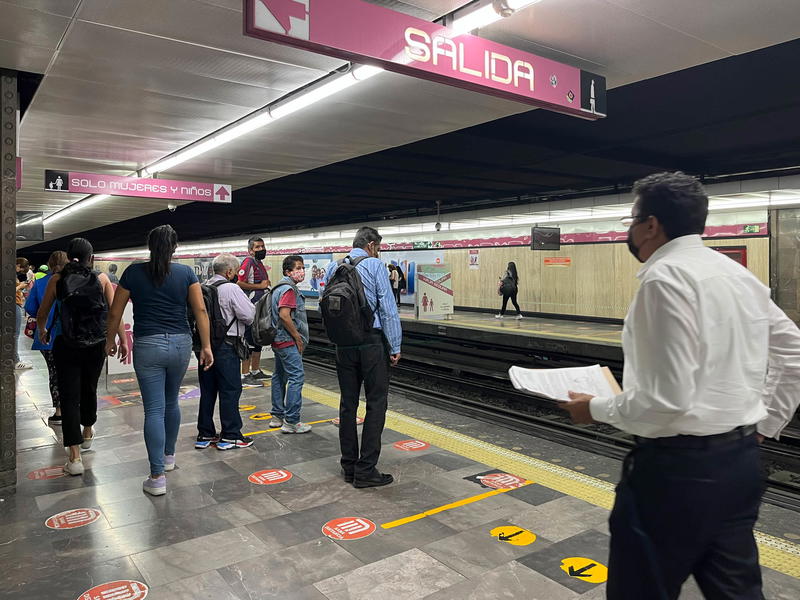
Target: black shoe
x,y
382,479
348,477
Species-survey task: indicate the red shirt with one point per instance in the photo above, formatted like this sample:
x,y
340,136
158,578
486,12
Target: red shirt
x,y
288,300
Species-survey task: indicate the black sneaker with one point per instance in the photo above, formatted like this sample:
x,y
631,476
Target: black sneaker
x,y
202,442
250,381
381,479
224,444
348,477
259,375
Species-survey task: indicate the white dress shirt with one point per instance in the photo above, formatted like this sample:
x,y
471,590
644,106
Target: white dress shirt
x,y
706,350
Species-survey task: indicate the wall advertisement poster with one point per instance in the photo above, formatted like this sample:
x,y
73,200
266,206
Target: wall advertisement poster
x,y
434,297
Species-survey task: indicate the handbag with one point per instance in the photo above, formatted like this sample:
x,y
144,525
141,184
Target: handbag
x,y
239,346
30,327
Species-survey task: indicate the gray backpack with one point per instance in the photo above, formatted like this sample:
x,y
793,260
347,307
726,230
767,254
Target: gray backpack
x,y
263,331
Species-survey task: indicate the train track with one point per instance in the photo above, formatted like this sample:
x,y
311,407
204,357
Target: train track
x,y
491,398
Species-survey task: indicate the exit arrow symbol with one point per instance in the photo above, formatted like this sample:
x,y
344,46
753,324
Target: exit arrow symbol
x,y
283,9
505,538
223,193
582,571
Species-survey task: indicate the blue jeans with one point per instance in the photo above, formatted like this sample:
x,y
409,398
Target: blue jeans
x,y
160,362
287,384
222,379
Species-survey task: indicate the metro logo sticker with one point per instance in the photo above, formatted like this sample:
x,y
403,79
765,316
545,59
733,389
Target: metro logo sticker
x,y
348,528
116,590
70,519
502,481
53,472
411,445
270,476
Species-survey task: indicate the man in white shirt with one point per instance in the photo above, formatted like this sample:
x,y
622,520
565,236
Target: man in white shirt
x,y
712,366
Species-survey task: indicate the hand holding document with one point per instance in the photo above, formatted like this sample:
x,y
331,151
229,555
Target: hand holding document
x,y
557,383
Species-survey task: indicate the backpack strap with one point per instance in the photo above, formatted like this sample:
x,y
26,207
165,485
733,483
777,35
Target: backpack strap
x,y
354,263
217,285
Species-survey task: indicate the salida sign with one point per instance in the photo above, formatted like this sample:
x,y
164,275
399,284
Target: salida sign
x,y
361,32
140,187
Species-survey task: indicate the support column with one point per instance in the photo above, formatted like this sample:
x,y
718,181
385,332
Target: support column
x,y
8,249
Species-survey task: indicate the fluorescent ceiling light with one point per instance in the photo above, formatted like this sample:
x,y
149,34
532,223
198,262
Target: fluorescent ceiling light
x,y
85,203
483,16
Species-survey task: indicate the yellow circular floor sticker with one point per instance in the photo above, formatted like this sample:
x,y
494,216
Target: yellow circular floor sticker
x,y
584,569
247,407
260,416
514,535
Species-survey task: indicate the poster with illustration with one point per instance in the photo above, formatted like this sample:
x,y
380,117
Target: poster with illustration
x,y
434,291
314,283
408,260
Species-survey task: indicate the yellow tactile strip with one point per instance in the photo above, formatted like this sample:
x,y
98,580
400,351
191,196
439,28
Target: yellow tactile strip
x,y
775,553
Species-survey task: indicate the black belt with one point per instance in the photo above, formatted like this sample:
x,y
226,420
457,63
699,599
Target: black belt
x,y
698,441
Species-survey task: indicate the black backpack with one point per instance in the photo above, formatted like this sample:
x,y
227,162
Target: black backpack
x,y
345,313
263,331
83,308
218,328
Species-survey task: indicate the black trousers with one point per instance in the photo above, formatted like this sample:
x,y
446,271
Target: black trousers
x,y
77,371
396,292
367,364
51,376
513,297
683,511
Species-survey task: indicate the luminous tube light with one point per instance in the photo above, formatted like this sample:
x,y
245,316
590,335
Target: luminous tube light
x,y
86,202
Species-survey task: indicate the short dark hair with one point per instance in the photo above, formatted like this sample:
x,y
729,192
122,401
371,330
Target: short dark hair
x,y
677,200
365,235
80,250
252,242
290,261
112,268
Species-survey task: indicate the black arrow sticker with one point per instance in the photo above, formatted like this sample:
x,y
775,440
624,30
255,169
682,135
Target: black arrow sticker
x,y
582,571
505,538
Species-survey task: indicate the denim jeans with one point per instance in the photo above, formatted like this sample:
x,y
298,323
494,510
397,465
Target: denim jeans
x,y
18,322
287,384
221,379
160,362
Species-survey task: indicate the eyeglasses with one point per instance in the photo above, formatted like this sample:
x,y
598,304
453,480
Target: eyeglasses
x,y
628,221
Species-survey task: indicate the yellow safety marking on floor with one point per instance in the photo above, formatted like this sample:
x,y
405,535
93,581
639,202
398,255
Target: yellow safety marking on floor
x,y
260,416
443,508
585,569
247,407
511,534
775,553
278,428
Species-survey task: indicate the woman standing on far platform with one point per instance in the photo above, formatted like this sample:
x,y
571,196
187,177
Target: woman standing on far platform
x,y
508,286
159,290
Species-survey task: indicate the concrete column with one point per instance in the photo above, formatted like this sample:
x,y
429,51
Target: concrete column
x,y
8,249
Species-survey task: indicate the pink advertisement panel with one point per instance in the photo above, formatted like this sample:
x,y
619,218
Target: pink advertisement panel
x,y
368,33
140,187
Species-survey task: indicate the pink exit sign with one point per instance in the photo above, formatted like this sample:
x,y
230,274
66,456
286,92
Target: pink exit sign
x,y
366,33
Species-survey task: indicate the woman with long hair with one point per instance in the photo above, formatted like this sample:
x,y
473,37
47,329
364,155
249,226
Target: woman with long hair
x,y
82,297
159,290
55,263
508,288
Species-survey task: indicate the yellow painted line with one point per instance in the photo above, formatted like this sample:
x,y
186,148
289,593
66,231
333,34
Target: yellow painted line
x,y
445,507
775,553
278,428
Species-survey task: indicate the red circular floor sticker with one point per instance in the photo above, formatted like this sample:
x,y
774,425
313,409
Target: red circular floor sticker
x,y
411,445
70,519
47,472
502,481
116,590
348,528
270,476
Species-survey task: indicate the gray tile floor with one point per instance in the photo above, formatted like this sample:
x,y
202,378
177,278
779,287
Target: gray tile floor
x,y
217,536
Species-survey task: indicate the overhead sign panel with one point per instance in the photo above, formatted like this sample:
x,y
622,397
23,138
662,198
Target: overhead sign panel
x,y
368,33
140,187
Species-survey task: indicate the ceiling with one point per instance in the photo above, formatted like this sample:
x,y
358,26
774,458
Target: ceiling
x,y
128,82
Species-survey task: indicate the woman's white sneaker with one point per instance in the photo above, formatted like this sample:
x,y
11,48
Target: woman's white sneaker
x,y
74,467
87,442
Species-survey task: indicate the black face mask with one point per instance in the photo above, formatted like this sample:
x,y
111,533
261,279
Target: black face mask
x,y
632,248
260,254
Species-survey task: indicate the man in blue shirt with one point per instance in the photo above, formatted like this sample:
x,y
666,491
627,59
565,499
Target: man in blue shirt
x,y
368,364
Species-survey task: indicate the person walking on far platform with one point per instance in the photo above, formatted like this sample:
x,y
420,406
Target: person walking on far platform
x,y
712,367
366,358
509,287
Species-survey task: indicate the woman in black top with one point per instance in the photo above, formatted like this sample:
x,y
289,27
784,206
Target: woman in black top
x,y
509,286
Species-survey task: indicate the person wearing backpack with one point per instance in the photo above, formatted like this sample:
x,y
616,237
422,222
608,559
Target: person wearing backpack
x,y
54,265
508,288
82,297
291,336
235,312
361,318
160,291
254,280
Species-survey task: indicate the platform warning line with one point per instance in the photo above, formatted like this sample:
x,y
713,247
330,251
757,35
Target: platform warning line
x,y
278,428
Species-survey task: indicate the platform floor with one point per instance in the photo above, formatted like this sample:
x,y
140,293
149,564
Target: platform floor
x,y
607,334
217,535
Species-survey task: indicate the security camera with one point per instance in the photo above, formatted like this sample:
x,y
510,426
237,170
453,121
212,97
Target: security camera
x,y
172,207
438,226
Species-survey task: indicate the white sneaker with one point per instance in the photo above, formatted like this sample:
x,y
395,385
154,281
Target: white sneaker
x,y
22,365
87,442
275,422
74,467
498,316
519,317
295,427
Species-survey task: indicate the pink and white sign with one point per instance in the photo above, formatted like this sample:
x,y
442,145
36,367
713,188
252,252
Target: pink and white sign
x,y
140,187
368,33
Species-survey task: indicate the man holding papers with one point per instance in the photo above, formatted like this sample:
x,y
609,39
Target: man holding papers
x,y
712,366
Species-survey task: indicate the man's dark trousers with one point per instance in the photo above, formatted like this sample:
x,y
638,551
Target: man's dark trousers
x,y
687,509
367,364
223,379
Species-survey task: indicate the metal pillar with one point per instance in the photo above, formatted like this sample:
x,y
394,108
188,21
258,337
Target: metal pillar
x,y
8,248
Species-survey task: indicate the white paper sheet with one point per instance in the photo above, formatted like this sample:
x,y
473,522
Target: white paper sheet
x,y
556,383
